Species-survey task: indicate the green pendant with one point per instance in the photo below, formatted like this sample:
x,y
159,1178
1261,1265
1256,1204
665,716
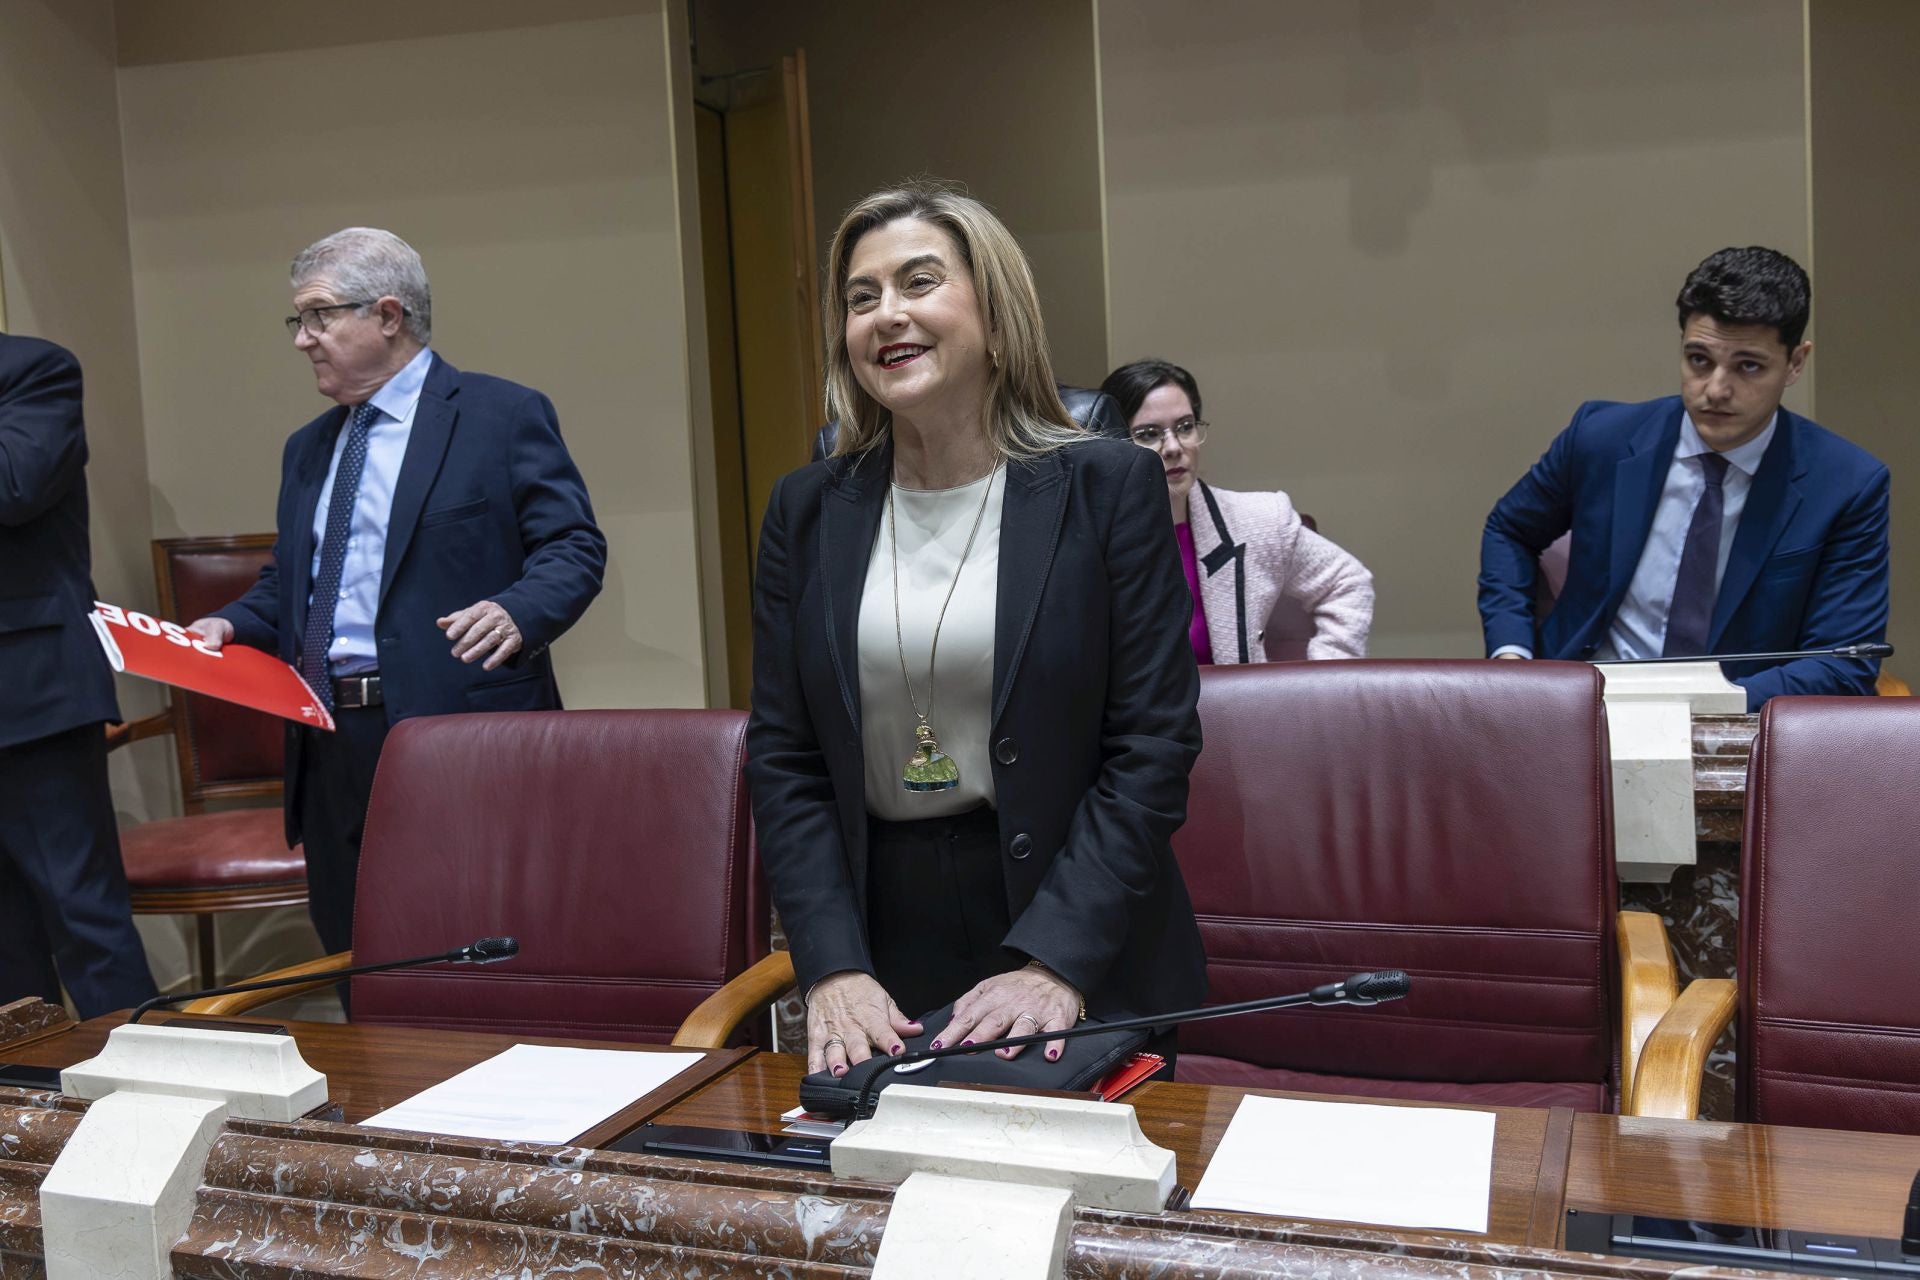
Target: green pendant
x,y
929,768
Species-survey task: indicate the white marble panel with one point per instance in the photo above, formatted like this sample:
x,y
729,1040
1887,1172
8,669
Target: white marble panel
x,y
122,1190
1094,1149
965,1229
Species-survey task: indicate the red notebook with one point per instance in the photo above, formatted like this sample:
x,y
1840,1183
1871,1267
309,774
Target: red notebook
x,y
1127,1075
166,651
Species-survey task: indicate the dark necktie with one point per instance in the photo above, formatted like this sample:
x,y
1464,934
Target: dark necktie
x,y
1691,616
333,556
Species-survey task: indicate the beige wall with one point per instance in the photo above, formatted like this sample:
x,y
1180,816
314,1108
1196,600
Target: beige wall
x,y
63,251
997,94
1866,206
529,158
1399,242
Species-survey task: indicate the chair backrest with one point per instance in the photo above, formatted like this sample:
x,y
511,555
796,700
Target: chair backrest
x,y
1829,1025
613,844
1449,818
224,750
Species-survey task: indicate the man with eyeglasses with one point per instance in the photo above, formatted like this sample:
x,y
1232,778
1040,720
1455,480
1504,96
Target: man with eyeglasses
x,y
435,538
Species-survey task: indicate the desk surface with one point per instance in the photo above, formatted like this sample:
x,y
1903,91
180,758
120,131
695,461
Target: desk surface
x,y
371,1068
298,1194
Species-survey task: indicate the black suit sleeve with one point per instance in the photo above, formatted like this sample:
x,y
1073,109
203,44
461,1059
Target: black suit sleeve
x,y
43,442
795,818
1119,844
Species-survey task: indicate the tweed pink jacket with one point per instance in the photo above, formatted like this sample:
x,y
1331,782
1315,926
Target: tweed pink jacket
x,y
1256,557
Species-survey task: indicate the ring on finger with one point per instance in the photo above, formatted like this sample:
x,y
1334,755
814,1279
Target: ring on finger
x,y
833,1040
1028,1017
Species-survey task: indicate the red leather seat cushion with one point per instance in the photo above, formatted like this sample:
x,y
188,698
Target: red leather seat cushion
x,y
211,851
1198,1068
1829,1023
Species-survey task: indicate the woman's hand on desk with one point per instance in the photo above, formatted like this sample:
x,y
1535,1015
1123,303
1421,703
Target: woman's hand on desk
x,y
1021,1003
849,1015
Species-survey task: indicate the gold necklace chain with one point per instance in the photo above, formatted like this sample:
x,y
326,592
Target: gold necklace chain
x,y
899,640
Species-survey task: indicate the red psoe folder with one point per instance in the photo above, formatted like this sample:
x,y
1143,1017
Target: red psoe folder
x,y
166,651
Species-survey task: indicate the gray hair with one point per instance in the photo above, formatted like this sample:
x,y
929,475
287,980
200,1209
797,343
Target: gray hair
x,y
366,262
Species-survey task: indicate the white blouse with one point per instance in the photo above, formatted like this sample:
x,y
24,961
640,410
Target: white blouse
x,y
932,527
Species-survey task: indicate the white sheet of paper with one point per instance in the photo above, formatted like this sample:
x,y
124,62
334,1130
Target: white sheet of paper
x,y
1354,1162
535,1093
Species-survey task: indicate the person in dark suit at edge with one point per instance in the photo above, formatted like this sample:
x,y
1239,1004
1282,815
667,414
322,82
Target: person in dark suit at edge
x,y
974,705
1711,522
434,538
64,910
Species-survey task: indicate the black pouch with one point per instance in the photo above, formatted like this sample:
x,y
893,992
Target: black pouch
x,y
1085,1060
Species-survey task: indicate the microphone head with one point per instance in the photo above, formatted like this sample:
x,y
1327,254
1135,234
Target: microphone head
x,y
493,950
1376,987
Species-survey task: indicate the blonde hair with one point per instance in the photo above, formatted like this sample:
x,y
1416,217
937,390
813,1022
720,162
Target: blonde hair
x,y
1024,415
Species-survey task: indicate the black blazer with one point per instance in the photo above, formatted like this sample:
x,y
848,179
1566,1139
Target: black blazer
x,y
1094,719
488,506
56,676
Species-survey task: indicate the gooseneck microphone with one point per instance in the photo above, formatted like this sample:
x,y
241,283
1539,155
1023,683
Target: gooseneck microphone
x,y
482,951
1362,989
1866,651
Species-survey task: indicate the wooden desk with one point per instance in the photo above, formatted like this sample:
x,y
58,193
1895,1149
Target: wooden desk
x,y
371,1068
1763,1176
1189,1120
334,1202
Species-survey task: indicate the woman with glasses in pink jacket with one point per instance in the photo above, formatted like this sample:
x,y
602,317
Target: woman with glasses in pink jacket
x,y
1244,553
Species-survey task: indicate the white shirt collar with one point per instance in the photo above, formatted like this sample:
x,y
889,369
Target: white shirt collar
x,y
1745,457
401,392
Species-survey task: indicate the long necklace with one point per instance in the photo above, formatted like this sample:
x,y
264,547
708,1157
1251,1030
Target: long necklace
x,y
928,768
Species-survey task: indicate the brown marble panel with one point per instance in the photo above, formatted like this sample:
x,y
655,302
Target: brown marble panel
x,y
28,1019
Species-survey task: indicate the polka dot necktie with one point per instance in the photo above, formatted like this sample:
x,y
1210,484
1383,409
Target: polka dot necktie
x,y
333,556
1691,615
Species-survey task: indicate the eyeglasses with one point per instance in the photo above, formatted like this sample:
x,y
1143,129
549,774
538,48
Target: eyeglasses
x,y
1186,431
314,319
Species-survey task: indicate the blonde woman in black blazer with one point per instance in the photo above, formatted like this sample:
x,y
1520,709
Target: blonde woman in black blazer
x,y
1041,886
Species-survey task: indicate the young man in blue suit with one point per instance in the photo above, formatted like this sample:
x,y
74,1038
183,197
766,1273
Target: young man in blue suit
x,y
1711,522
434,539
64,911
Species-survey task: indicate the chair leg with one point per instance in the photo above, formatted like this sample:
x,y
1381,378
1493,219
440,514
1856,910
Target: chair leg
x,y
209,970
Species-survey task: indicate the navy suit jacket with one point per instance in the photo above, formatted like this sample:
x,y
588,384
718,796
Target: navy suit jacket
x,y
1094,715
56,676
488,506
1808,568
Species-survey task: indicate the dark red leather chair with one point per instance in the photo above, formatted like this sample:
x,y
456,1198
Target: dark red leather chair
x,y
231,859
1829,1022
614,845
1453,819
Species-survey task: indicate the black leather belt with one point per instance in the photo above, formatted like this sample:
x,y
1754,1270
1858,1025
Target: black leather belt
x,y
350,692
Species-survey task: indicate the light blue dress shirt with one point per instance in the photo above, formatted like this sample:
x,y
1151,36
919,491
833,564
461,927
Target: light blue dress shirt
x,y
353,651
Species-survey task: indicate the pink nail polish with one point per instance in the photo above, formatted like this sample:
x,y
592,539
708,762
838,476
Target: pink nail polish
x,y
839,1071
1053,1055
934,1045
895,1051
965,1043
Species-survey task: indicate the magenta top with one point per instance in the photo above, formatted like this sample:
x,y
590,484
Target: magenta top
x,y
1197,629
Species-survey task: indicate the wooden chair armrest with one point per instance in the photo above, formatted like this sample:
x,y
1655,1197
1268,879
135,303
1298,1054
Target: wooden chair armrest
x,y
1674,1059
713,1023
1647,985
1891,686
246,1001
119,735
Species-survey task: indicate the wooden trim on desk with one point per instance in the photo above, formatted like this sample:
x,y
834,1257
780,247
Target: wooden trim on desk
x,y
715,1064
1550,1188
